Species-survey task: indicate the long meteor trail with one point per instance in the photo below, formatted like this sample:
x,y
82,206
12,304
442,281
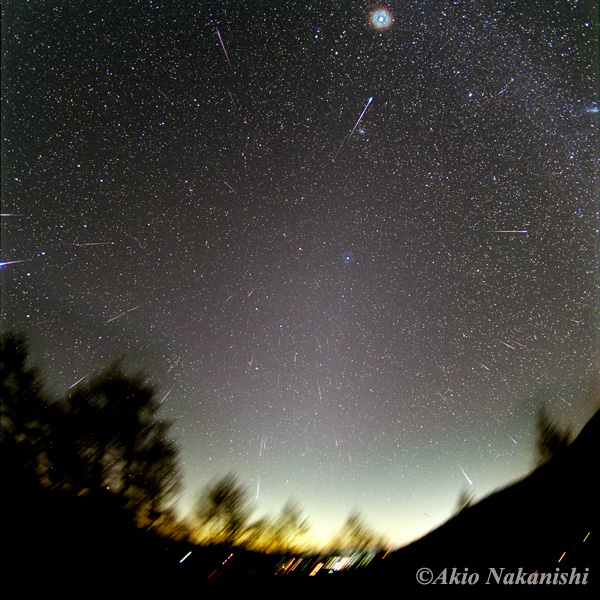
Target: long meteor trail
x,y
361,116
225,50
124,313
72,386
355,126
466,476
12,262
95,244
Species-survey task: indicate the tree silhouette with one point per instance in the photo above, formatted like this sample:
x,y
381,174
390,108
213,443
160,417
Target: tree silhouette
x,y
551,440
24,426
154,478
121,443
282,534
465,500
357,536
258,535
289,527
223,510
105,436
74,449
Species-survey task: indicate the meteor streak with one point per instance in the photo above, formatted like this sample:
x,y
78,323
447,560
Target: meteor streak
x,y
115,318
72,386
466,476
355,126
12,262
226,55
126,312
165,396
263,445
361,116
95,244
167,97
232,100
442,397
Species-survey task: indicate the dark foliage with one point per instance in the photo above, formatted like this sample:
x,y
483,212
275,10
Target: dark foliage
x,y
551,440
105,437
25,416
82,474
223,510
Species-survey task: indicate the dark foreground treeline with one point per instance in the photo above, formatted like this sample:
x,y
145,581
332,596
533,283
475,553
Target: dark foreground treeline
x,y
87,480
89,483
104,438
89,487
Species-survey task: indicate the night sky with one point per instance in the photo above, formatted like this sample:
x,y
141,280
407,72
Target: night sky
x,y
354,245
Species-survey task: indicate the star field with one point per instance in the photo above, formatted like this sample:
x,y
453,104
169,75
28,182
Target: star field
x,y
352,313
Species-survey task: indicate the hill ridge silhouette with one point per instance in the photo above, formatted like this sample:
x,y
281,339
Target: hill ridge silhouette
x,y
544,521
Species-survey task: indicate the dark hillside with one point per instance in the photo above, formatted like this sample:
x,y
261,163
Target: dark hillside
x,y
528,525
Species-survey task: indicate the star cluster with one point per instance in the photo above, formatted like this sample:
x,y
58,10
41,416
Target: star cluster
x,y
359,317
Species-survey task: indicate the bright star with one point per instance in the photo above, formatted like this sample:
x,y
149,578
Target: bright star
x,y
381,18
